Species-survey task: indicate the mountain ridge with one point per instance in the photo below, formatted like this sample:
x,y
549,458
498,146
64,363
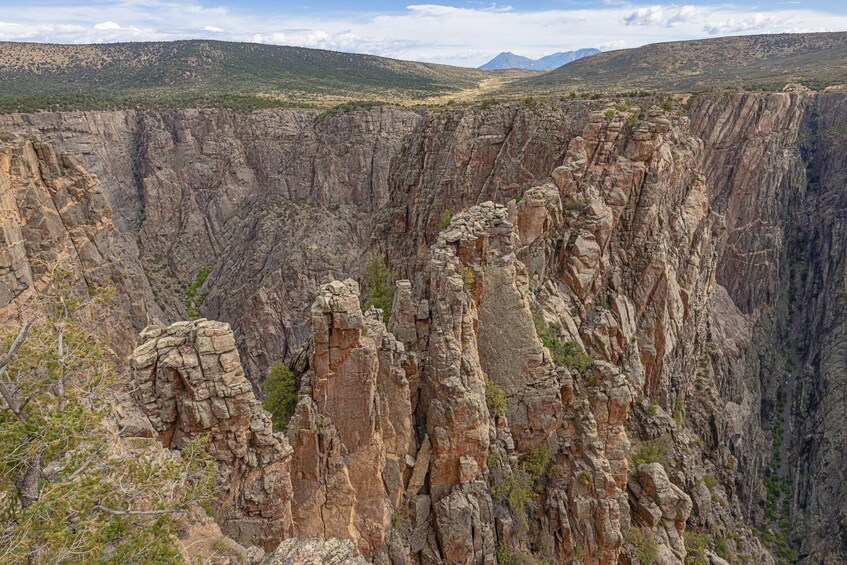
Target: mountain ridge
x,y
759,62
509,60
182,73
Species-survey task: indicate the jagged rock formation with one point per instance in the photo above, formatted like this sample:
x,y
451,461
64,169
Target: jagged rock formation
x,y
662,507
695,255
271,201
457,159
189,383
352,430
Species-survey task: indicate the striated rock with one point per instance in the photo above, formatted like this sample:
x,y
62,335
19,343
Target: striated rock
x,y
453,395
461,158
190,383
272,201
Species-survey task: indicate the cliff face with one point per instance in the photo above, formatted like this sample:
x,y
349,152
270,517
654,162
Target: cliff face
x,y
274,201
58,235
270,202
646,345
814,323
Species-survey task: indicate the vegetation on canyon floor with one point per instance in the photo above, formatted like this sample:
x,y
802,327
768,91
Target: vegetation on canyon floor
x,y
379,288
280,390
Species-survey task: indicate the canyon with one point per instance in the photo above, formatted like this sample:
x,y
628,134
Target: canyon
x,y
623,343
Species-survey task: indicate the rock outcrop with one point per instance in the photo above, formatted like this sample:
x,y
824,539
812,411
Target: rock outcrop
x,y
662,508
274,201
352,432
190,383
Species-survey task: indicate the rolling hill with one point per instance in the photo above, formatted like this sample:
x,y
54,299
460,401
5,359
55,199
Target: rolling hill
x,y
248,76
180,73
757,62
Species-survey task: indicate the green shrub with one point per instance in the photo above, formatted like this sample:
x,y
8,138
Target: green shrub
x,y
506,556
644,544
468,277
397,519
495,397
609,115
695,547
445,219
536,461
677,411
651,451
379,290
521,487
280,388
494,459
710,481
722,548
566,354
516,491
192,301
70,493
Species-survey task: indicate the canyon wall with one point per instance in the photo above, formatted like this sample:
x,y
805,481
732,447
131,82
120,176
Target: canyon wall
x,y
629,327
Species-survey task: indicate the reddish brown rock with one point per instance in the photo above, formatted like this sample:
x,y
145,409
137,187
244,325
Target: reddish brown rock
x,y
190,383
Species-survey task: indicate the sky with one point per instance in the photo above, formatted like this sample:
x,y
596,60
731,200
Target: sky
x,y
456,32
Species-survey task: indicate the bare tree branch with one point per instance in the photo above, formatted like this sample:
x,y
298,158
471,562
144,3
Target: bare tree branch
x,y
11,398
17,343
85,465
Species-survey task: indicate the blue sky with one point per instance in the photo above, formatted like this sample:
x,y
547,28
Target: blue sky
x,y
460,32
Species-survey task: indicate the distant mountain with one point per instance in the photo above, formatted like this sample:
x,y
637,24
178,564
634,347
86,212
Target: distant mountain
x,y
507,60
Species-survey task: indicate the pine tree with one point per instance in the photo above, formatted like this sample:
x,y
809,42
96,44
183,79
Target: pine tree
x,y
280,388
71,489
379,290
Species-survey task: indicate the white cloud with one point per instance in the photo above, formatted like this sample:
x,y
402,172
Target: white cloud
x,y
611,45
107,26
665,16
438,32
736,25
